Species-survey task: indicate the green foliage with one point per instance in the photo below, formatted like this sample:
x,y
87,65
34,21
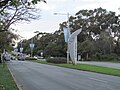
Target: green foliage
x,y
93,68
108,57
100,28
0,58
5,3
6,40
104,58
56,60
12,11
86,67
6,80
47,43
40,61
97,26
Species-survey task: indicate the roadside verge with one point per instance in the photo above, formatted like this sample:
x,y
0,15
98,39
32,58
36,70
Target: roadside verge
x,y
86,67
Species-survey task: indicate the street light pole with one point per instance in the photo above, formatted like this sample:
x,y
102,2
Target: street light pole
x,y
68,26
21,50
67,42
31,46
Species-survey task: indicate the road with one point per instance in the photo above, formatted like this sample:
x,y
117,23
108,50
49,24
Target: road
x,y
105,64
35,76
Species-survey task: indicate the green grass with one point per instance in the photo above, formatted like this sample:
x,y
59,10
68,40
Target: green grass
x,y
86,67
93,68
6,80
40,61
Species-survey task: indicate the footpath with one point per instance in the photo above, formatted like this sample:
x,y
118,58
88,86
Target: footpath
x,y
104,64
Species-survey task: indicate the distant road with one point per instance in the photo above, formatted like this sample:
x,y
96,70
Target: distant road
x,y
105,64
35,76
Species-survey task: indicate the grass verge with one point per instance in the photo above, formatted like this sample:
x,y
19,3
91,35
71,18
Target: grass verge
x,y
40,61
86,67
6,80
93,68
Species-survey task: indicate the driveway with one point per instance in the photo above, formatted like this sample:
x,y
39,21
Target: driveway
x,y
35,76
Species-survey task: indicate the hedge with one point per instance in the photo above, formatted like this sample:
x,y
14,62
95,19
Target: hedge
x,y
57,60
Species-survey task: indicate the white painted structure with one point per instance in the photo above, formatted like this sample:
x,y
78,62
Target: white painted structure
x,y
72,45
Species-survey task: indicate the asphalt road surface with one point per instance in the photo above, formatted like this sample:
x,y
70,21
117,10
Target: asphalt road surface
x,y
35,76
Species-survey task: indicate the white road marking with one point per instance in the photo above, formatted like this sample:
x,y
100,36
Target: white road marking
x,y
98,80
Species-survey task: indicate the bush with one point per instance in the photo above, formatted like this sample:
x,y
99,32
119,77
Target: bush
x,y
90,59
0,58
57,60
104,57
30,58
108,57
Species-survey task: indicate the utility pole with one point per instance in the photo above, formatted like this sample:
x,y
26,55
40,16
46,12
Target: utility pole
x,y
68,26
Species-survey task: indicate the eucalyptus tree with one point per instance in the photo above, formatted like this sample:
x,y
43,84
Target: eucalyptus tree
x,y
100,28
52,42
5,3
7,40
13,11
99,25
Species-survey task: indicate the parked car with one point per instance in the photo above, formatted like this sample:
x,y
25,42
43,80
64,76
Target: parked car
x,y
21,57
38,57
6,57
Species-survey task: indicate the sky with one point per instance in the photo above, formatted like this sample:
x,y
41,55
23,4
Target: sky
x,y
49,22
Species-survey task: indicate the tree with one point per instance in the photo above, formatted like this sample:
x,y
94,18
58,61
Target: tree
x,y
98,24
12,11
7,40
4,3
47,43
100,34
87,48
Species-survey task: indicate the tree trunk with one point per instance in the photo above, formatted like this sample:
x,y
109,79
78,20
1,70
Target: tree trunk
x,y
87,56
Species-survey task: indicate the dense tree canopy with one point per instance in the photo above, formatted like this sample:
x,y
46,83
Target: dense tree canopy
x,y
13,11
7,40
100,35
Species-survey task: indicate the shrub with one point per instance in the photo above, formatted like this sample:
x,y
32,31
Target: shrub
x,y
108,57
104,57
0,58
57,60
90,59
98,56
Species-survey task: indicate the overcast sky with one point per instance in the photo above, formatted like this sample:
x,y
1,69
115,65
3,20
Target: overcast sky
x,y
49,22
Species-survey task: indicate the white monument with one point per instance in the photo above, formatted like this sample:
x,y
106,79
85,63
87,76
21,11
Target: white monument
x,y
72,45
